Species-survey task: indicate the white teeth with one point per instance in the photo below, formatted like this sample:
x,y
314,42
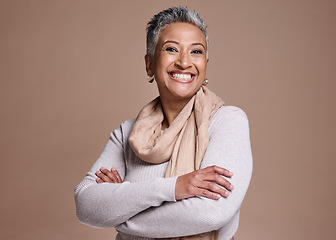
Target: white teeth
x,y
181,76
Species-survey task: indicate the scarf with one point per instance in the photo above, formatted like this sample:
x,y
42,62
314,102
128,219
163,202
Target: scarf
x,y
183,144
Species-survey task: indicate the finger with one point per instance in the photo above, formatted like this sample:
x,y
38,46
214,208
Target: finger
x,y
103,177
214,188
109,174
215,177
98,180
206,193
116,173
219,170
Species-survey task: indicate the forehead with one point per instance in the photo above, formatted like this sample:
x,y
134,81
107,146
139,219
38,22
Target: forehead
x,y
182,32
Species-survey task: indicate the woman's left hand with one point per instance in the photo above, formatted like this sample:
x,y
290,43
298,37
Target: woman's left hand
x,y
105,175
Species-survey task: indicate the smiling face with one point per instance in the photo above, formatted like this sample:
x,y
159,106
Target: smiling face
x,y
179,62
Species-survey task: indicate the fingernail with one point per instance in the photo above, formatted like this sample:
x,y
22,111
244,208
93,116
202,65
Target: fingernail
x,y
97,172
226,194
113,169
218,196
102,168
231,186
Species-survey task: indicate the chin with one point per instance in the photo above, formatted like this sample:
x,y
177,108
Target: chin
x,y
184,93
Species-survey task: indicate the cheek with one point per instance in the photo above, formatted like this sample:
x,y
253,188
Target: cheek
x,y
159,64
201,65
163,63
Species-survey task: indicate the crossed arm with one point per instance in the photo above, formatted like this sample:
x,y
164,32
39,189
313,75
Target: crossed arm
x,y
155,208
203,182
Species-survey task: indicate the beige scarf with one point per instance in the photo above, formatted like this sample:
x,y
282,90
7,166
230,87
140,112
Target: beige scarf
x,y
185,141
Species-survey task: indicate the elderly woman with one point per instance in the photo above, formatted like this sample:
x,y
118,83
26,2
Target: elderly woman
x,y
182,167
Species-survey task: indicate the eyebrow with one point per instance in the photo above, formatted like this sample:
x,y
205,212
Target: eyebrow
x,y
198,44
193,44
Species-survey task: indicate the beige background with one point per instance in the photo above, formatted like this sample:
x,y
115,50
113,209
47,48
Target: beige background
x,y
72,70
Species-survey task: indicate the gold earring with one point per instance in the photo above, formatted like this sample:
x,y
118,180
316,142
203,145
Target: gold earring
x,y
150,79
205,82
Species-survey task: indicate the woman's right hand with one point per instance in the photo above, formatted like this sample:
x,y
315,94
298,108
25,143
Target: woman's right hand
x,y
104,175
207,182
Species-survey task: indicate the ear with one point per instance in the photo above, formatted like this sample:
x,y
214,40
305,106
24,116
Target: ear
x,y
149,65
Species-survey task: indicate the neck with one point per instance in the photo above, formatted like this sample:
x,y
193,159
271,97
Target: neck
x,y
171,109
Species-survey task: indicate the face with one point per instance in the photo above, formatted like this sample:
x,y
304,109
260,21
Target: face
x,y
179,62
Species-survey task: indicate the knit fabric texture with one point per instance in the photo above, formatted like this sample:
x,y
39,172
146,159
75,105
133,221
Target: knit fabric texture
x,y
143,206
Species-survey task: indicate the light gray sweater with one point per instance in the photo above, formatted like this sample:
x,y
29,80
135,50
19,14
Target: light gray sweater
x,y
144,205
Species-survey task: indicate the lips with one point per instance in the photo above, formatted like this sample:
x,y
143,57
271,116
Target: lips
x,y
182,77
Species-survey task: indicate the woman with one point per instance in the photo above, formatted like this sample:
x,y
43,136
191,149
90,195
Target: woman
x,y
169,174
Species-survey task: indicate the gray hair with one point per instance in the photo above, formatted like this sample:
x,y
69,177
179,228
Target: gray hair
x,y
168,16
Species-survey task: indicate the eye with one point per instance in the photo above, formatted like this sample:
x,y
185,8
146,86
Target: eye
x,y
171,49
197,51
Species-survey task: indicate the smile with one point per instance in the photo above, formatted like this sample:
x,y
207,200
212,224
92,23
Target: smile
x,y
181,77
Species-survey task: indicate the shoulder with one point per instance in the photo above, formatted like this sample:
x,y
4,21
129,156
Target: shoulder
x,y
123,130
228,117
127,125
229,112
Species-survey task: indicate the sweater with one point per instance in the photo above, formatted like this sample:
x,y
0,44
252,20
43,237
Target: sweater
x,y
144,207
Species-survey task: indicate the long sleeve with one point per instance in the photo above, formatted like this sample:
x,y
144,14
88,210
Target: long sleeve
x,y
109,204
229,147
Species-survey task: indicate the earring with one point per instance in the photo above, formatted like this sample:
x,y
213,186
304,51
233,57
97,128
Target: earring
x,y
205,82
150,79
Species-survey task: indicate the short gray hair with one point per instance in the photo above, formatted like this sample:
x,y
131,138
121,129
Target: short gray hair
x,y
168,16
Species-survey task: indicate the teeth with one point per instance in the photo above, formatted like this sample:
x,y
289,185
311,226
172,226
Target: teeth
x,y
181,76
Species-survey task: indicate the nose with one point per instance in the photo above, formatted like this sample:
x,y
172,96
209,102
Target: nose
x,y
183,60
